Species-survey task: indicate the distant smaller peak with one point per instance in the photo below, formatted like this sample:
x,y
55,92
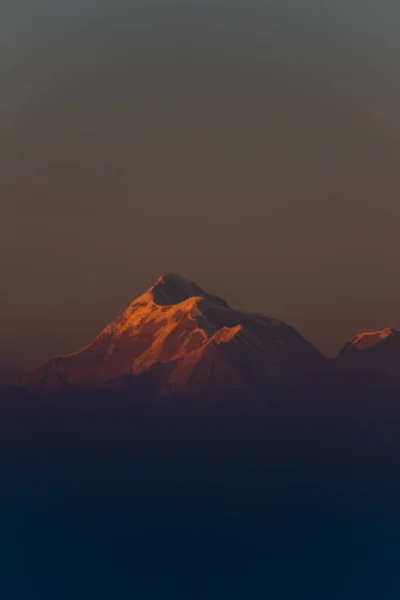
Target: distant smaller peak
x,y
369,339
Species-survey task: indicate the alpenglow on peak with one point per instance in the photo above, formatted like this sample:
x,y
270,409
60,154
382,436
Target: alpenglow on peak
x,y
180,339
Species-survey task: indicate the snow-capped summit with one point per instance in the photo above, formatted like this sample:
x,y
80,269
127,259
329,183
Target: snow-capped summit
x,y
374,354
369,339
173,289
182,339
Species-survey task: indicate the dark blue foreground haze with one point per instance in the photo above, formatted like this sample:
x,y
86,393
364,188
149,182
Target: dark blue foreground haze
x,y
290,498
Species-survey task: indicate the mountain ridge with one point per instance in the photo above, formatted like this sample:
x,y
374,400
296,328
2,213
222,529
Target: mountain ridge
x,y
193,339
177,338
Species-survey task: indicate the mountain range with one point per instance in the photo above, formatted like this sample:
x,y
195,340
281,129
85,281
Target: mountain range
x,y
178,339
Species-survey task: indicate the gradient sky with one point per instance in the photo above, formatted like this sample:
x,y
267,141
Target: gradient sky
x,y
252,146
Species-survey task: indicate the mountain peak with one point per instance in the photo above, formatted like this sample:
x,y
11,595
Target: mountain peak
x,y
172,289
181,338
375,355
173,278
369,339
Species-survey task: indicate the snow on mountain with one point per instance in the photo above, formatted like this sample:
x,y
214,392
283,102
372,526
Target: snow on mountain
x,y
368,339
374,354
182,339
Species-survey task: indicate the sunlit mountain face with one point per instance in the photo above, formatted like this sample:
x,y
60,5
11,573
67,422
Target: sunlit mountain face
x,y
183,340
176,339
